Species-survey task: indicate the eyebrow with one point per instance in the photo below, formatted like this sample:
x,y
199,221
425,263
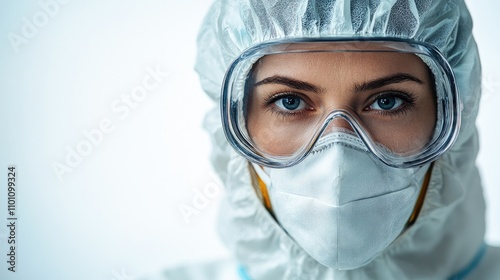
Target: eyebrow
x,y
296,84
371,85
393,79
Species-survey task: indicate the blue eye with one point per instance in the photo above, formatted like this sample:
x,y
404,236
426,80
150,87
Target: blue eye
x,y
290,103
386,103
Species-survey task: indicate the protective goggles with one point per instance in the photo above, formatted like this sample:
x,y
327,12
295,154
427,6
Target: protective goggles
x,y
282,99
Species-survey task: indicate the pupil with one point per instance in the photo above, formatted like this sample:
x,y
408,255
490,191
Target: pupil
x,y
291,102
386,103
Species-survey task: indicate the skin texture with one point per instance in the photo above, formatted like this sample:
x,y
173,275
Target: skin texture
x,y
290,96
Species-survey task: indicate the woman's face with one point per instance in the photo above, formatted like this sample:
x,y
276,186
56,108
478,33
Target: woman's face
x,y
291,94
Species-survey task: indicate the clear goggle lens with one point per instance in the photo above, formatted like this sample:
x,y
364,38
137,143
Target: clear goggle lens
x,y
399,97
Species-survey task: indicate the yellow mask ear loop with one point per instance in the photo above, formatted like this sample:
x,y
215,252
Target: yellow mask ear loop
x,y
261,188
421,198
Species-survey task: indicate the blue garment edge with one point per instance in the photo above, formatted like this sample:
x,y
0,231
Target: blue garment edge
x,y
472,265
243,273
458,276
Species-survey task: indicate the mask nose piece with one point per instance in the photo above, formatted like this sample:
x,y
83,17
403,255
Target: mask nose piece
x,y
339,121
339,124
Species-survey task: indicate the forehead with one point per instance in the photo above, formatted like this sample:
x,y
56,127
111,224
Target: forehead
x,y
347,52
317,64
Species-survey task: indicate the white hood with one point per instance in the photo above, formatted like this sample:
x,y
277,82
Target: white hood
x,y
450,229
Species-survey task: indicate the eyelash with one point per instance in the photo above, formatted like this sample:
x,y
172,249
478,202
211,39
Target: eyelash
x,y
408,98
271,99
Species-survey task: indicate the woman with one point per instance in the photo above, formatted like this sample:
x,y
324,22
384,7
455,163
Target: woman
x,y
353,138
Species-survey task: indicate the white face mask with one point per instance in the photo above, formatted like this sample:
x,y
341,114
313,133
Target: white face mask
x,y
341,204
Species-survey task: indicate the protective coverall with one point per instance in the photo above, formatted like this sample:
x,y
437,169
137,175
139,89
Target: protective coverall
x,y
447,240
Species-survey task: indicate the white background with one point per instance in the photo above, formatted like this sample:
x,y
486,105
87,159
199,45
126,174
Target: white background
x,y
117,212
